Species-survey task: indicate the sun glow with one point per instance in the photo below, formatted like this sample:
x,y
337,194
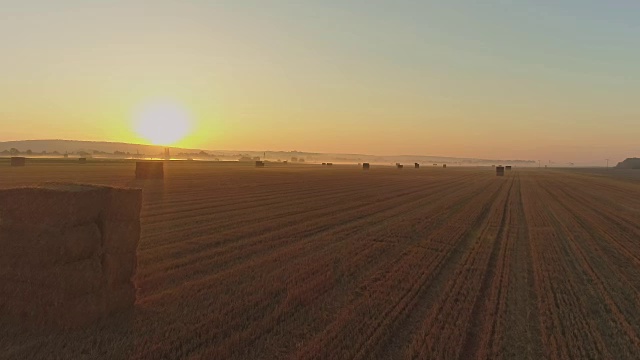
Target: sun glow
x,y
162,123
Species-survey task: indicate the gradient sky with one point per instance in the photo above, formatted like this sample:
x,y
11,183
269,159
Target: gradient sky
x,y
534,79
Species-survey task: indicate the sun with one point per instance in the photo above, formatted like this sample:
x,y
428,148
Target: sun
x,y
162,123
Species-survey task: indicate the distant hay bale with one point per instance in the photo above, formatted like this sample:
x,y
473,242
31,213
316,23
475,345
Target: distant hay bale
x,y
18,161
508,167
329,164
82,160
149,169
365,166
324,163
399,166
285,162
416,165
499,170
259,163
68,253
444,166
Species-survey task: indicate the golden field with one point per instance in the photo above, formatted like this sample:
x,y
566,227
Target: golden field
x,y
313,262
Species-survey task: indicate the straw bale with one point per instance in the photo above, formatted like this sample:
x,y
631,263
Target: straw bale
x,y
41,247
76,278
120,236
149,170
51,205
123,204
18,161
119,269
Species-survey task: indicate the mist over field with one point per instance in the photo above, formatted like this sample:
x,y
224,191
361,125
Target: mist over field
x,y
107,149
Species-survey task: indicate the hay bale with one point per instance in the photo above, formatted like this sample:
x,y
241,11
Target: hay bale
x,y
365,166
122,205
399,166
73,279
18,161
324,163
63,267
444,166
259,163
508,167
119,269
416,165
82,160
48,246
329,164
149,170
50,205
499,170
120,236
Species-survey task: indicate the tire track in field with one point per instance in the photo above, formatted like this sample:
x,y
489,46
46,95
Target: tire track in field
x,y
460,290
271,319
407,289
522,323
491,296
402,331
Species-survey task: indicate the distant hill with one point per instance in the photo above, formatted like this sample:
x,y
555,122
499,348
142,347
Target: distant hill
x,y
116,149
630,163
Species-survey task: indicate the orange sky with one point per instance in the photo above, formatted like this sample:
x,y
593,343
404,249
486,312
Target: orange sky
x,y
527,82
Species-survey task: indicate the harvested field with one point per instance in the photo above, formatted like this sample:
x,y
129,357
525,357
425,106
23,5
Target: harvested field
x,y
306,262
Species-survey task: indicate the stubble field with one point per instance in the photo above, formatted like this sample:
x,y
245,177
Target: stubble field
x,y
312,262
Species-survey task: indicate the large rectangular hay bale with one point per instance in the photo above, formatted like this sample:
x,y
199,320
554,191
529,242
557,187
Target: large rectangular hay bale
x,y
499,170
119,268
73,279
18,161
416,165
259,163
48,246
149,170
365,166
51,205
122,205
120,236
65,248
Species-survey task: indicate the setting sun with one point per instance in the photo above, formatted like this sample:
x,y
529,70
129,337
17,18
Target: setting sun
x,y
162,123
